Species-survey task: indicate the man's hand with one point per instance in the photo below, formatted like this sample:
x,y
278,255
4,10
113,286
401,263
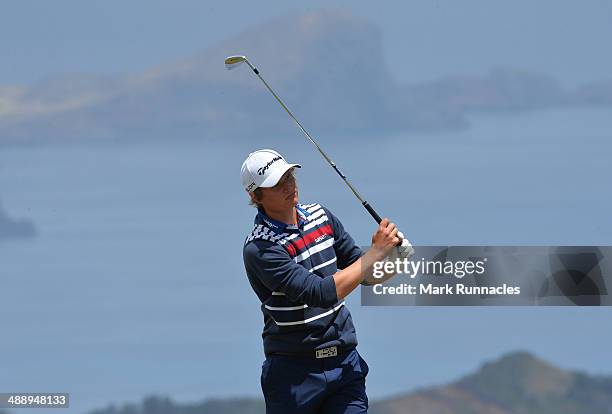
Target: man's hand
x,y
384,239
405,249
388,237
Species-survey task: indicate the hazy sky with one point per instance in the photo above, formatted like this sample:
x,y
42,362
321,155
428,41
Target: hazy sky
x,y
422,39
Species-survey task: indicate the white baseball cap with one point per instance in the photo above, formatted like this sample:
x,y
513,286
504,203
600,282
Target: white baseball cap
x,y
263,168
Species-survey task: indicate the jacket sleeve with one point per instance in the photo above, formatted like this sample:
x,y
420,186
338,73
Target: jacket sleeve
x,y
347,251
273,266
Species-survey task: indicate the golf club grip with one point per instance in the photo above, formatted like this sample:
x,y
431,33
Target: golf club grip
x,y
375,215
372,212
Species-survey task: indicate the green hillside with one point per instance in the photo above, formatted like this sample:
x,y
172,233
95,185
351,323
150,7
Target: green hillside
x,y
518,383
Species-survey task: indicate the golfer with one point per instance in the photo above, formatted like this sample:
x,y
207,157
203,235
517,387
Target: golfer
x,y
302,264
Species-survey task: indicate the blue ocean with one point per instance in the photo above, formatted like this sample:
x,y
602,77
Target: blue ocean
x,y
134,283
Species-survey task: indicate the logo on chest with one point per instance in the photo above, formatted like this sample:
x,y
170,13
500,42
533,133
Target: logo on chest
x,y
320,238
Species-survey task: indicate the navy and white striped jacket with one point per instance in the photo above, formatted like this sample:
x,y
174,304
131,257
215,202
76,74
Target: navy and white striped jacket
x,y
290,268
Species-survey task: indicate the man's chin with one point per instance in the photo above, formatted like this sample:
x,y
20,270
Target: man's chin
x,y
293,200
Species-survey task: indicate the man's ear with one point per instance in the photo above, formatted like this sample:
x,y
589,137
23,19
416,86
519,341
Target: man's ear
x,y
256,196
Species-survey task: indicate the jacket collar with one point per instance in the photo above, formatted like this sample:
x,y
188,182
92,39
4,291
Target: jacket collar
x,y
278,226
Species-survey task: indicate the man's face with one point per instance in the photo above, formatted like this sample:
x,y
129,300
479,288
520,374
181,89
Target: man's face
x,y
283,195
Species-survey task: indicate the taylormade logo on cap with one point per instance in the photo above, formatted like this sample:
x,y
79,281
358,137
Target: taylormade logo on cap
x,y
263,168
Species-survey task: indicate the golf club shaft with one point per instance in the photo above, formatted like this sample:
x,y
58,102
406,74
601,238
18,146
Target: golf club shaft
x,y
363,202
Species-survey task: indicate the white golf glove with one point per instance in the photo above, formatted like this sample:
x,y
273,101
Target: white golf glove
x,y
405,250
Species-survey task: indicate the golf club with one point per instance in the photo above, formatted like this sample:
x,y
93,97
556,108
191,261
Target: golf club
x,y
232,62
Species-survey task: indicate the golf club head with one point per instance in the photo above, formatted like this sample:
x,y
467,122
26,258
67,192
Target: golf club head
x,y
232,62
